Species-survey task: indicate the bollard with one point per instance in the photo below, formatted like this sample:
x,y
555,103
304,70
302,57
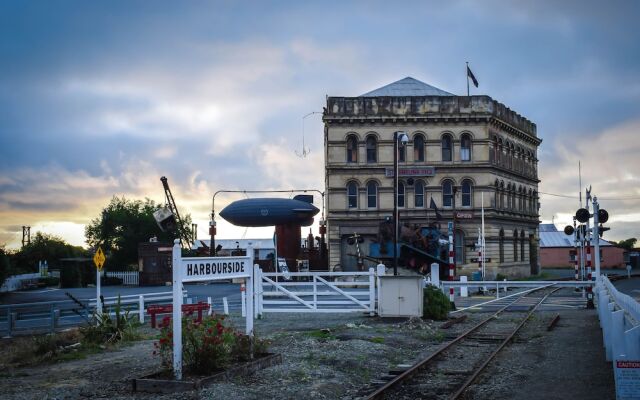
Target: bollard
x,y
463,289
225,305
210,303
141,308
372,292
505,285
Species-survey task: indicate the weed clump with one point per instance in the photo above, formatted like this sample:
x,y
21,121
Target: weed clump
x,y
435,304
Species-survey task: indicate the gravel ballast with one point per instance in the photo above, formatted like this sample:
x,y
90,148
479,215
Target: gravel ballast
x,y
334,356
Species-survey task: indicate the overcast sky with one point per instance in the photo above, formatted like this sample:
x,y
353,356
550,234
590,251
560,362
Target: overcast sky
x,y
102,99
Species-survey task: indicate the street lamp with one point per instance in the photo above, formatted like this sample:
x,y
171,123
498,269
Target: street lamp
x,y
400,139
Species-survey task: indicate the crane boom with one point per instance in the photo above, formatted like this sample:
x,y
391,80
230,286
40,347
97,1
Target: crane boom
x,y
171,203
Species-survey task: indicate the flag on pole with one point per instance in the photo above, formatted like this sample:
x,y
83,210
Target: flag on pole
x,y
473,78
432,205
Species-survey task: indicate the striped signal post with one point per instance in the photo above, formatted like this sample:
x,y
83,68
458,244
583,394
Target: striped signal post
x,y
590,304
451,265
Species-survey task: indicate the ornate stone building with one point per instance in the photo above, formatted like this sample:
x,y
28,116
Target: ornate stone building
x,y
461,149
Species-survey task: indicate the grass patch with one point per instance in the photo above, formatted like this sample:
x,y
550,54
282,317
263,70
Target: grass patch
x,y
321,334
377,339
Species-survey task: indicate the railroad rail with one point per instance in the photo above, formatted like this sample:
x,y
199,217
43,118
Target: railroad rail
x,y
412,382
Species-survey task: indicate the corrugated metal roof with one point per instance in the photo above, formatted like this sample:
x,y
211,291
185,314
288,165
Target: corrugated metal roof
x,y
559,239
548,228
407,87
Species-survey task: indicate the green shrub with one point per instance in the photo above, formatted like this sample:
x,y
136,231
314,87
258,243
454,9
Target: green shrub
x,y
435,304
501,277
50,281
105,329
207,346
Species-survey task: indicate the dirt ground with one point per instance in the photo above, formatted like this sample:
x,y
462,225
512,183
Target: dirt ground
x,y
337,363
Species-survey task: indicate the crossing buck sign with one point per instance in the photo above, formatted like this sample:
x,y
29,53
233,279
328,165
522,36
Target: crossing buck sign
x,y
199,269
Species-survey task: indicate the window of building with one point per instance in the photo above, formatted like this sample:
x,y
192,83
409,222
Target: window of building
x,y
501,195
515,245
352,195
501,245
459,247
447,148
418,148
419,194
400,194
466,193
522,245
372,195
402,153
447,193
372,149
465,147
352,149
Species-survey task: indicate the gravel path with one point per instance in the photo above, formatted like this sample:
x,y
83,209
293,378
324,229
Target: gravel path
x,y
335,356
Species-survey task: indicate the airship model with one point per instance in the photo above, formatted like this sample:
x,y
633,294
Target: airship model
x,y
271,211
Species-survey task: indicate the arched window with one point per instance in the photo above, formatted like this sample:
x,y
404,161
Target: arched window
x,y
372,194
509,196
466,193
515,245
402,153
372,149
419,194
522,245
465,147
501,245
530,203
400,194
446,148
352,195
459,247
521,199
418,148
500,153
511,155
501,194
352,149
447,193
535,203
494,151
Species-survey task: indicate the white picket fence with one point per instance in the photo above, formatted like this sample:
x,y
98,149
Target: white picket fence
x,y
131,278
620,321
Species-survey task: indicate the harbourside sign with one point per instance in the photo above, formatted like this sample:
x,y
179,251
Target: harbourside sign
x,y
198,268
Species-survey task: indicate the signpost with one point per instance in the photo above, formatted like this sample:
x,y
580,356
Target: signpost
x,y
98,260
197,269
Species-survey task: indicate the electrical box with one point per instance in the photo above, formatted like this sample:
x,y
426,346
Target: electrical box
x,y
400,296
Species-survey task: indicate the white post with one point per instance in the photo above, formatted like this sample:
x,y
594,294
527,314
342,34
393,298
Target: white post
x,y
177,310
243,297
372,291
497,289
315,292
435,274
596,236
381,270
225,305
505,285
250,284
210,306
463,289
256,292
141,308
98,302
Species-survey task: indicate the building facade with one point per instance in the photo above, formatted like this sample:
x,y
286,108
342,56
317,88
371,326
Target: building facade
x,y
462,151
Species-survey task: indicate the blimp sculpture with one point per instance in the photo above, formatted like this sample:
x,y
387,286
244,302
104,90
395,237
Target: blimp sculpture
x,y
271,211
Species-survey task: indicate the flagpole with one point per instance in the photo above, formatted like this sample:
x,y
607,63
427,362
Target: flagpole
x,y
467,73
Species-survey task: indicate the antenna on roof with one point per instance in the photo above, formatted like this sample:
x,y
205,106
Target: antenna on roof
x,y
305,150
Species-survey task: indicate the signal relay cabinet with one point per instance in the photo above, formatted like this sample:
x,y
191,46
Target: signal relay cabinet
x,y
400,296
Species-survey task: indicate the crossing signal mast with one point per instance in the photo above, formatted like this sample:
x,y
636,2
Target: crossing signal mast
x,y
584,235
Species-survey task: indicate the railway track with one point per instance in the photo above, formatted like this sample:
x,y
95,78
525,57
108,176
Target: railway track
x,y
452,368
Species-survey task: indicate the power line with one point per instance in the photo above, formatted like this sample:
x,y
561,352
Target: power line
x,y
601,198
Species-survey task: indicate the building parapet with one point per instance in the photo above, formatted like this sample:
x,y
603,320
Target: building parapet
x,y
429,107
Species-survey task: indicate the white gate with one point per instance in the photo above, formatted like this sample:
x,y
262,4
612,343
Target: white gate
x,y
315,292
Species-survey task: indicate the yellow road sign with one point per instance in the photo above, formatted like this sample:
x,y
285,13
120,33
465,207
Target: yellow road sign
x,y
99,258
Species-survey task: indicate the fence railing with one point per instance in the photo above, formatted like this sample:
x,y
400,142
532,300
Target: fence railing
x,y
131,278
315,292
54,315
